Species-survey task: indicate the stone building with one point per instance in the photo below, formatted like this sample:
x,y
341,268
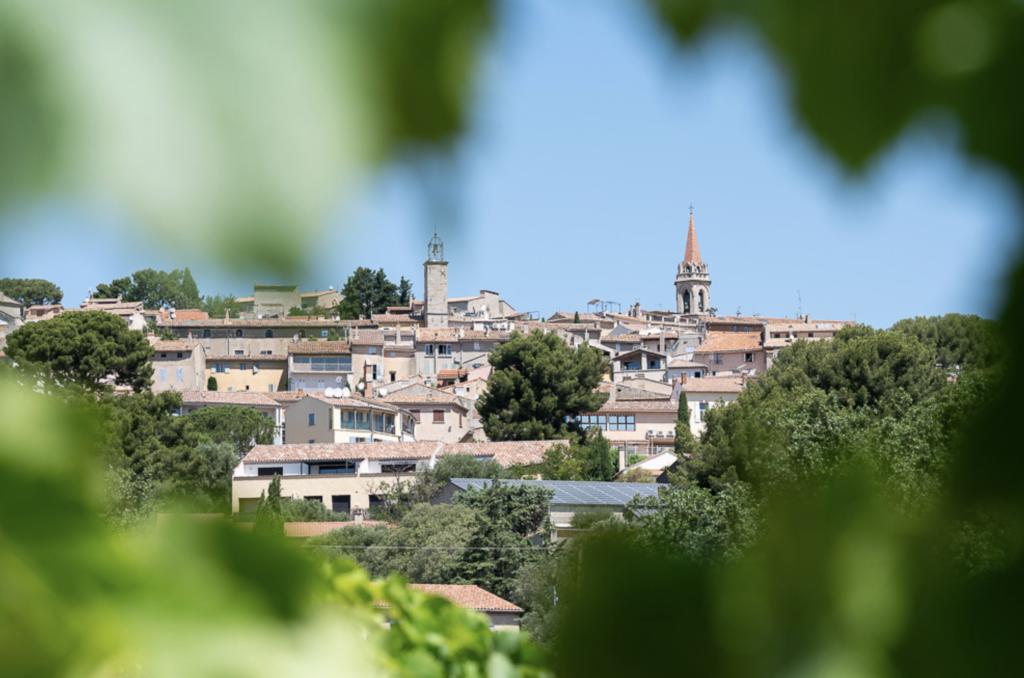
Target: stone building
x,y
435,285
178,365
693,284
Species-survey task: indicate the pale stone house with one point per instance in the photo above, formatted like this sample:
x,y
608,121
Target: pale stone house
x,y
42,312
448,348
732,353
257,336
437,415
709,392
178,366
319,365
320,419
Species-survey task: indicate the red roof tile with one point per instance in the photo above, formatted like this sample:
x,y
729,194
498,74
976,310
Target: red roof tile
x,y
506,453
725,342
469,597
692,248
228,398
339,451
303,530
319,347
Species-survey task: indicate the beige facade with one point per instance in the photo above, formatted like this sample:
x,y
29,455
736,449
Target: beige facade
x,y
319,365
256,337
342,493
318,419
454,348
327,299
260,373
704,394
178,366
643,427
438,416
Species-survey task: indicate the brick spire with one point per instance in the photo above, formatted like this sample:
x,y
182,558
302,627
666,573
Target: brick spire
x,y
692,248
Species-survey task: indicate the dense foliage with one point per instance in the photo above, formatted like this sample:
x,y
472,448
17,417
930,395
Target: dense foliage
x,y
31,291
367,292
240,426
92,349
155,289
539,386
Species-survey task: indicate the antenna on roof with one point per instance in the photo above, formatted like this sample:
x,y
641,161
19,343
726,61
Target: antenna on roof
x,y
799,305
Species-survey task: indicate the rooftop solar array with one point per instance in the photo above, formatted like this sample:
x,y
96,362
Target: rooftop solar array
x,y
576,492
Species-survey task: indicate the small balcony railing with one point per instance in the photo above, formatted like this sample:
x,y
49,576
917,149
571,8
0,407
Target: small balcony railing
x,y
313,367
355,425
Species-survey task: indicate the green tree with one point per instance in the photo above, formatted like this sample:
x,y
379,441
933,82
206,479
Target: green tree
x,y
211,383
189,291
562,462
439,530
684,441
118,288
221,305
507,516
308,511
269,513
196,477
309,312
404,292
601,460
367,292
93,349
241,427
964,341
539,386
576,317
155,289
31,291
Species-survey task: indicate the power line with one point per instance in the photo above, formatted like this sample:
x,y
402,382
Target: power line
x,y
430,548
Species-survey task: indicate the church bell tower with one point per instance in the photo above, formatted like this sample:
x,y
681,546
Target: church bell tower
x,y
693,285
435,285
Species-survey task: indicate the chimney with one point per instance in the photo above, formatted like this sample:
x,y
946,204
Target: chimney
x,y
682,378
661,341
357,515
614,393
807,318
622,458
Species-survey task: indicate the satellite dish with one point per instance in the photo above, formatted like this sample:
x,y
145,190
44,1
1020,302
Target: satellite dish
x,y
383,392
330,393
345,392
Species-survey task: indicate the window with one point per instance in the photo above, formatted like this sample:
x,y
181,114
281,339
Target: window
x,y
631,365
255,368
163,355
163,375
716,359
702,411
341,503
238,334
248,505
592,420
700,301
181,374
393,376
376,501
415,415
311,441
393,354
621,422
312,418
338,469
654,364
444,349
373,350
378,422
270,471
239,352
231,389
428,349
324,333
734,328
206,334
810,335
270,388
181,355
438,416
374,372
476,345
398,467
748,357
269,334
241,366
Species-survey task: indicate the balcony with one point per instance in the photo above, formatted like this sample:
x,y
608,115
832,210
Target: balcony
x,y
355,425
321,367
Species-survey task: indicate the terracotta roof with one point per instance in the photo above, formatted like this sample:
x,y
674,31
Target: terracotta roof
x,y
262,454
692,248
245,300
364,337
227,398
303,530
729,384
625,392
287,396
458,333
440,398
319,347
506,453
354,401
120,306
450,374
400,309
174,346
467,596
37,307
458,299
639,406
317,294
724,342
298,322
183,314
813,326
247,358
403,318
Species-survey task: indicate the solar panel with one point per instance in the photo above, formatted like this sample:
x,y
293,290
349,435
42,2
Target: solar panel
x,y
576,492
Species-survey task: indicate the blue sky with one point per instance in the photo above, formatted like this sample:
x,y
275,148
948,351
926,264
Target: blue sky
x,y
591,138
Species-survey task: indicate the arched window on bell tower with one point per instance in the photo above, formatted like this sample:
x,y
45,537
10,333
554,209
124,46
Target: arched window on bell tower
x,y
700,301
686,301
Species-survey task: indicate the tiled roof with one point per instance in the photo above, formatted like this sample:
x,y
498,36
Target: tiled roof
x,y
303,530
120,306
262,454
353,401
297,322
37,307
728,384
692,248
287,396
183,314
227,398
628,393
450,374
724,342
459,299
639,406
506,453
309,295
245,300
363,337
468,596
458,333
813,326
404,318
247,358
438,398
174,346
319,347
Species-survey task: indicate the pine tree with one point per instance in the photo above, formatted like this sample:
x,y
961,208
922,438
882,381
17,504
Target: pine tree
x,y
600,459
684,440
189,290
576,317
269,512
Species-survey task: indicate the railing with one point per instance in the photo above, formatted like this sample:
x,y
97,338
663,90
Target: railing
x,y
355,425
312,367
